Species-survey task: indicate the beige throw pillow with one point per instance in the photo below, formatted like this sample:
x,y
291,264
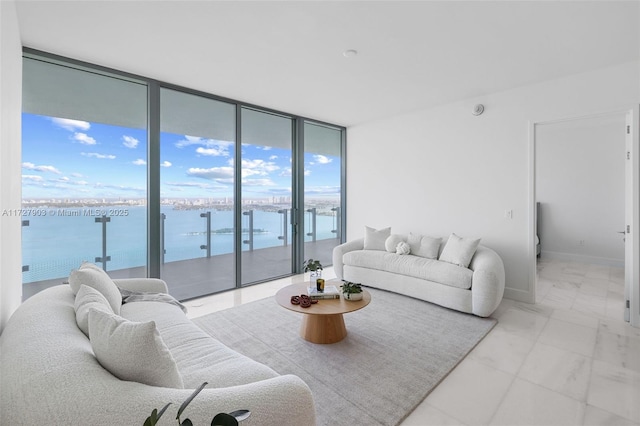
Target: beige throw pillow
x,y
89,298
132,351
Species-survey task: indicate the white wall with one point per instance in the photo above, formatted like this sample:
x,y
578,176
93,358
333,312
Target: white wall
x,y
444,170
580,173
10,160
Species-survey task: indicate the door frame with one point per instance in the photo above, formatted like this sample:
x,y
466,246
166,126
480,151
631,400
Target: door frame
x,y
632,283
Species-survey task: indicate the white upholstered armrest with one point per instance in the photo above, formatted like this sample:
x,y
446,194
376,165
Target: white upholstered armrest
x,y
147,285
487,283
340,250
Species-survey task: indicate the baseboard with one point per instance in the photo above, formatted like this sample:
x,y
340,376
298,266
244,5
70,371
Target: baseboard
x,y
580,258
519,295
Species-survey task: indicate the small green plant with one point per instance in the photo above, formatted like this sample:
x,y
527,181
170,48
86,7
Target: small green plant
x,y
220,419
312,265
350,288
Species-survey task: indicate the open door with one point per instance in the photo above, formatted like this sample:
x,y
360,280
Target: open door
x,y
632,219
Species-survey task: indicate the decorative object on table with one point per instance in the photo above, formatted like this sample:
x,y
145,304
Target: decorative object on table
x,y
403,248
220,419
303,300
351,291
330,292
314,267
320,284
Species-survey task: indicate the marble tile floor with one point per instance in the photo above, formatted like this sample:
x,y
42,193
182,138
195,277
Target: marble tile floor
x,y
570,359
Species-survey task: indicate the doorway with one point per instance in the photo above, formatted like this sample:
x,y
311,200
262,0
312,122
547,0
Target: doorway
x,y
582,204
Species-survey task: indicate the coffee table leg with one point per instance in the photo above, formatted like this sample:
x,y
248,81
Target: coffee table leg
x,y
323,328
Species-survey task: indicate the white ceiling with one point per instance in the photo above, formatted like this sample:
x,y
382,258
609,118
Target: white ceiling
x,y
287,55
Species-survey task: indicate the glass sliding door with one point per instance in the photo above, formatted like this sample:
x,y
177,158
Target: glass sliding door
x,y
197,159
322,191
266,161
84,162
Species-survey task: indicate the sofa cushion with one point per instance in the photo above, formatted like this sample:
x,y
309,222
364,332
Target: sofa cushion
x,y
424,246
98,279
199,357
89,298
392,241
414,266
132,351
374,239
459,251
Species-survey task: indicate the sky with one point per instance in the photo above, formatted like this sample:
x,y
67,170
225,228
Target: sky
x,y
68,159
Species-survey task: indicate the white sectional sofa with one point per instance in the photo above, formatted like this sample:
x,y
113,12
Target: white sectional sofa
x,y
49,373
473,286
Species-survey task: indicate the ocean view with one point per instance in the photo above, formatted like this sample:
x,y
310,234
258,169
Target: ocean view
x,y
57,240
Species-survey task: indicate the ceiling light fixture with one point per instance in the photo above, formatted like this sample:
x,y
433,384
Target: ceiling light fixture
x,y
350,53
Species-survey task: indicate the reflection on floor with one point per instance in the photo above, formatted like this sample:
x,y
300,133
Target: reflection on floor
x,y
570,359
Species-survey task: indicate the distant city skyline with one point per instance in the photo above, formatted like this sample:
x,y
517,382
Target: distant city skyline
x,y
73,159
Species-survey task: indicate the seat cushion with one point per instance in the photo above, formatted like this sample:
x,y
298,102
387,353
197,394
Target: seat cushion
x,y
199,357
413,266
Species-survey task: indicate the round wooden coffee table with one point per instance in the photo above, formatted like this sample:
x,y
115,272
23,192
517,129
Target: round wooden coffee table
x,y
323,321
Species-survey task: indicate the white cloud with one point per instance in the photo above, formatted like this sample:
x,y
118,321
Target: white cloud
x,y
33,178
140,162
212,152
321,159
100,156
31,166
214,173
84,139
218,148
130,141
165,164
71,125
258,167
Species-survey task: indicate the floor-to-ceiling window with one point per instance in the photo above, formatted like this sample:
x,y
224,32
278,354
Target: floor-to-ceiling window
x,y
145,178
322,191
266,157
84,163
197,163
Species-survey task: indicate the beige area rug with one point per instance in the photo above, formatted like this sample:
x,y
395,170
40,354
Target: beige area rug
x,y
396,351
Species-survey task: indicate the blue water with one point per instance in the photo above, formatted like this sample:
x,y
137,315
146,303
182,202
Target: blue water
x,y
55,243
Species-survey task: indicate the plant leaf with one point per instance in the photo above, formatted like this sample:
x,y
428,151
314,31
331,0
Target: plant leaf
x,y
162,412
240,415
224,419
188,400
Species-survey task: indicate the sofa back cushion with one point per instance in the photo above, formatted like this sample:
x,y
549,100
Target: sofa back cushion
x,y
92,276
89,298
132,351
424,246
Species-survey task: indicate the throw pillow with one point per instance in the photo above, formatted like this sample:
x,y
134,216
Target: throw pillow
x,y
132,351
392,241
98,279
89,298
424,246
375,239
459,251
403,248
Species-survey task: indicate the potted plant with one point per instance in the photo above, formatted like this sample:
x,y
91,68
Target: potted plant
x,y
220,419
351,291
314,267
